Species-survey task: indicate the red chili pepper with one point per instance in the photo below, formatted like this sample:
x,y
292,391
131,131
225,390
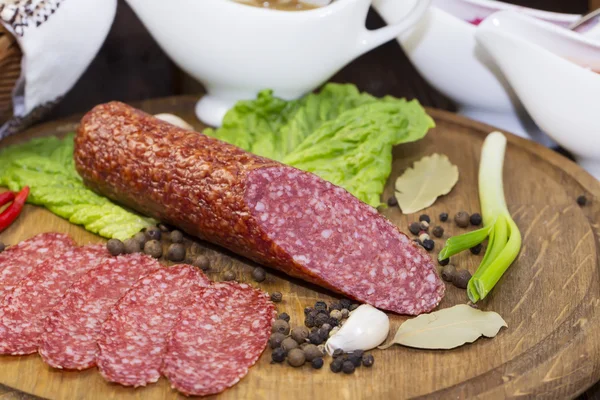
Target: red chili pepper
x,y
12,212
6,197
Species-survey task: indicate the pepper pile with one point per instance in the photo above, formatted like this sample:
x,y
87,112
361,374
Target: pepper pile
x,y
303,344
10,214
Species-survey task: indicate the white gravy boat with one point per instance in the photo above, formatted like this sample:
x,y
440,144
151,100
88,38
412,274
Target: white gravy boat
x,y
551,70
236,50
443,48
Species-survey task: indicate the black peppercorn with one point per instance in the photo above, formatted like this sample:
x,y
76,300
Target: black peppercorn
x,y
321,306
315,338
355,359
438,231
335,306
348,367
259,274
324,334
582,200
276,297
368,360
278,355
425,217
428,244
337,353
444,217
322,318
476,249
307,310
345,303
317,363
284,316
309,321
444,262
414,228
392,201
476,219
336,365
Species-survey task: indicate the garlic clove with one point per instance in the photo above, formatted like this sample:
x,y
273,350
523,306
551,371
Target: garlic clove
x,y
174,120
365,329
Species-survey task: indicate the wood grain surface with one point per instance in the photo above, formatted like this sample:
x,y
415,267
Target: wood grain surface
x,y
549,297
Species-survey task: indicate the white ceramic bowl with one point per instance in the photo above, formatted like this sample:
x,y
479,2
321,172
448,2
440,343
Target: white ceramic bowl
x,y
237,50
551,70
443,48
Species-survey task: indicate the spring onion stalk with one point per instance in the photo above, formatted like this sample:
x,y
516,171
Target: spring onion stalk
x,y
504,241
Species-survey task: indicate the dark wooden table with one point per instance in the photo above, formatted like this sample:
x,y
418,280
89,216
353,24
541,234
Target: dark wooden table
x,y
130,67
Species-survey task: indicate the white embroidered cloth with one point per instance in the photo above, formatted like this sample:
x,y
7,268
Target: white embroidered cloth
x,y
58,39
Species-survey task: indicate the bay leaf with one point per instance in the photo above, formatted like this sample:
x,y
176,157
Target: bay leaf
x,y
430,177
448,328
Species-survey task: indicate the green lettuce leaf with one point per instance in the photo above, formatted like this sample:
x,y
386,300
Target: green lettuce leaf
x,y
46,165
340,134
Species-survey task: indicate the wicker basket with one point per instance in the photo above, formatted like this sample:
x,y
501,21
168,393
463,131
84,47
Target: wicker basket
x,y
10,70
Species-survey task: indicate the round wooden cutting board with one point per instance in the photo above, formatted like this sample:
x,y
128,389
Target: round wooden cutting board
x,y
549,297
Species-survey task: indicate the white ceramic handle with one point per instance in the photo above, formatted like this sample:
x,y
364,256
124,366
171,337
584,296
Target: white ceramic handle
x,y
368,40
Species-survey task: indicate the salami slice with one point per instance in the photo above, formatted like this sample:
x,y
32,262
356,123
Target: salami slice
x,y
133,339
73,326
18,260
218,338
24,309
274,214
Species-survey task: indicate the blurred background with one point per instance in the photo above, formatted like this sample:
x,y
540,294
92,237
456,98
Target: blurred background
x,y
130,66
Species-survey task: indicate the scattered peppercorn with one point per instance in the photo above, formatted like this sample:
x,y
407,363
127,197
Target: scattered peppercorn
x,y
228,276
448,272
424,226
476,249
315,338
444,217
153,248
300,334
348,367
281,326
345,313
476,219
353,307
278,355
288,344
307,310
337,353
317,363
582,200
276,339
132,246
284,316
321,319
355,359
438,231
153,233
428,244
2,247
321,306
424,217
368,360
296,358
202,262
461,278
345,303
324,334
276,297
414,228
336,314
176,252
443,262
327,327
163,227
309,321
141,238
462,219
392,201
333,322
176,237
311,352
335,306
359,352
114,246
259,274
336,365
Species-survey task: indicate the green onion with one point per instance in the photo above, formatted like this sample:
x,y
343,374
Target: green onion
x,y
504,241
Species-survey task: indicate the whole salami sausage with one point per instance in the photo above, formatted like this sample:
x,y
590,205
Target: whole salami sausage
x,y
274,214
